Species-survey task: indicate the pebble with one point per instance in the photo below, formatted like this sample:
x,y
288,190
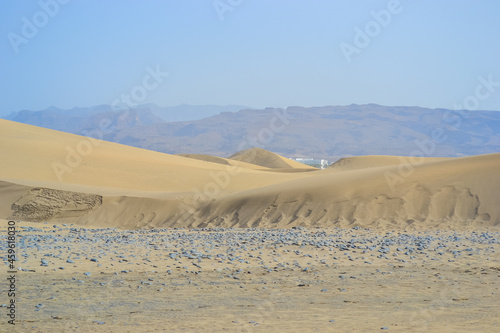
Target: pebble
x,y
232,249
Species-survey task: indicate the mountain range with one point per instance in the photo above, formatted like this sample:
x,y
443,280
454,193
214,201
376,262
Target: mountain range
x,y
328,132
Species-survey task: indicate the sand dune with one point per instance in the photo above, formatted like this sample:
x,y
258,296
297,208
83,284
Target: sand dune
x,y
448,193
43,155
368,161
55,176
224,161
206,158
262,157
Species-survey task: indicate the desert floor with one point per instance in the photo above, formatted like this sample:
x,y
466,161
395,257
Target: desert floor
x,y
70,278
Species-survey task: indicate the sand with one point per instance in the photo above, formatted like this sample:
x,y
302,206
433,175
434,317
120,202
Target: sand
x,y
75,182
264,158
135,188
255,280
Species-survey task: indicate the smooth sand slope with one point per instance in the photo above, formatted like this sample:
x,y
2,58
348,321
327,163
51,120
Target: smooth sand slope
x,y
224,161
364,162
54,176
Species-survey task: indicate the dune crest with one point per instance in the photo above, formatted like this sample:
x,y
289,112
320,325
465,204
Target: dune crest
x,y
374,161
224,161
265,158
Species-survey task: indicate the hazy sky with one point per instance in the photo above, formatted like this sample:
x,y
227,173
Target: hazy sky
x,y
256,53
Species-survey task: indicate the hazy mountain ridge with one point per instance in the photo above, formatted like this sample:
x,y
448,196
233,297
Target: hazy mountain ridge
x,y
146,114
322,132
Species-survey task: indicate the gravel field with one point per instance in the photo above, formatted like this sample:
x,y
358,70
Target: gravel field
x,y
264,280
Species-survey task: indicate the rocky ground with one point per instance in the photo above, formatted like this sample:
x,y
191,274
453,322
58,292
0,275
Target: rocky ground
x,y
243,280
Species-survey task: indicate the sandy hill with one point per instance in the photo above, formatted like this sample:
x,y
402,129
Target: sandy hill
x,y
55,176
262,157
447,193
50,156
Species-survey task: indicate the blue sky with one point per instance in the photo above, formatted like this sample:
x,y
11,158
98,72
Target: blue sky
x,y
257,53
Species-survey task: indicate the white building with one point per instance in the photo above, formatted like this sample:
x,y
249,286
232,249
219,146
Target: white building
x,y
312,162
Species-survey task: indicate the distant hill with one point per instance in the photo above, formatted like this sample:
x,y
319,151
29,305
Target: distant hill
x,y
186,112
77,119
328,132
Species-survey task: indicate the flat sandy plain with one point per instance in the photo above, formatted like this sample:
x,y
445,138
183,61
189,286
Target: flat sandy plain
x,y
117,239
255,280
